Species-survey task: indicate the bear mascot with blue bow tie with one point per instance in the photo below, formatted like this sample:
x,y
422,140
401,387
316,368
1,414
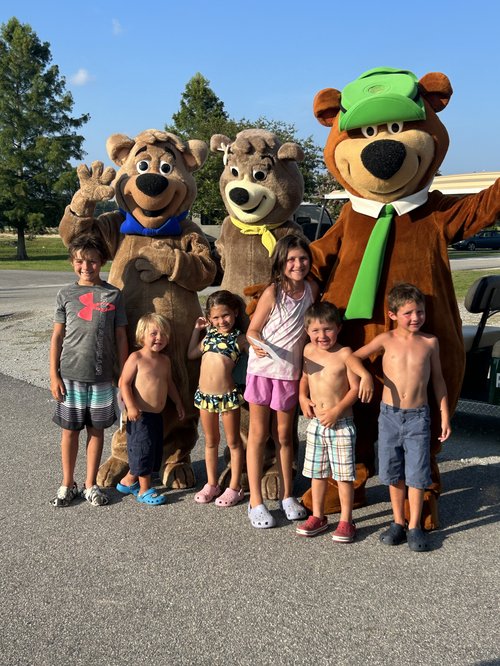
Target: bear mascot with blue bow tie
x,y
161,259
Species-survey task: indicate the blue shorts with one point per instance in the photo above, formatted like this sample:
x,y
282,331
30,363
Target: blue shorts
x,y
404,446
330,450
86,404
145,444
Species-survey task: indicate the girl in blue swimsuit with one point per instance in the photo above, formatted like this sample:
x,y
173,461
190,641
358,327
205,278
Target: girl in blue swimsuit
x,y
220,348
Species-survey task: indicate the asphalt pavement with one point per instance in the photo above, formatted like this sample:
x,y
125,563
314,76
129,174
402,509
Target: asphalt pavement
x,y
188,584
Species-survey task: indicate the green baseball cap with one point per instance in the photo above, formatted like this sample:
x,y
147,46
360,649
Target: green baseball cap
x,y
381,95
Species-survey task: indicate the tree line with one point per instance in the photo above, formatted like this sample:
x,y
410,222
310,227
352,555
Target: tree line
x,y
39,137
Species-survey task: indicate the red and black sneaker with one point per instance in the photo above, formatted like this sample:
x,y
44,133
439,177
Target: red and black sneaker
x,y
345,532
312,526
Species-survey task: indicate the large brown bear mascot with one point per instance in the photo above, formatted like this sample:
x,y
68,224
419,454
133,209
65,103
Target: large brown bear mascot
x,y
385,146
261,186
160,260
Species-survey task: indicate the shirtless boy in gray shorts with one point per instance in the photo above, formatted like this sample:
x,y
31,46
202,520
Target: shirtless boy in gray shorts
x,y
410,359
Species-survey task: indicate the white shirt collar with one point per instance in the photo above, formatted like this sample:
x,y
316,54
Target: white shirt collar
x,y
402,206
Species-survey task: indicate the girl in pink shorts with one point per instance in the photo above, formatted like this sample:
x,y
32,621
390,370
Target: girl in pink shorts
x,y
276,335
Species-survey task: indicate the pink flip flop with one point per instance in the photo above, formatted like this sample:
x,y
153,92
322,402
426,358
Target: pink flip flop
x,y
230,497
207,494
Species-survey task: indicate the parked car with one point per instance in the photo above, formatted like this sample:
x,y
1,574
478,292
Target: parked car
x,y
483,240
314,219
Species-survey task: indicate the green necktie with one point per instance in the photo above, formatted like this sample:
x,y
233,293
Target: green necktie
x,y
365,287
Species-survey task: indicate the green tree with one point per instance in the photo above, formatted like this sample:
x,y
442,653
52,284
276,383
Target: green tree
x,y
202,114
37,133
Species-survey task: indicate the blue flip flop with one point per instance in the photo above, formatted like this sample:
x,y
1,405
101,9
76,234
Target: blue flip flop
x,y
128,490
151,497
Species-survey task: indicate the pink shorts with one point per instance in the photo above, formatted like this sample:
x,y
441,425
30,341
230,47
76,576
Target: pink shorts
x,y
281,395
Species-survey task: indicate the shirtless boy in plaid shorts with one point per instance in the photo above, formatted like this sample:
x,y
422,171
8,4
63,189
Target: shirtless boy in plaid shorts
x,y
328,389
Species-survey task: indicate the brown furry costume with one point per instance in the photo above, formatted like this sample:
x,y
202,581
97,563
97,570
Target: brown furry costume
x,y
261,185
160,272
416,249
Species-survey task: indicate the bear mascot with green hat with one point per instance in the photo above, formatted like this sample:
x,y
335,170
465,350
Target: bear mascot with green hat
x,y
385,146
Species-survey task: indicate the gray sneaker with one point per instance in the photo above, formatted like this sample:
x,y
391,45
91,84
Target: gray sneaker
x,y
95,496
65,495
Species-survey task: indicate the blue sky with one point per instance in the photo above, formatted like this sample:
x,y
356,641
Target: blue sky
x,y
127,63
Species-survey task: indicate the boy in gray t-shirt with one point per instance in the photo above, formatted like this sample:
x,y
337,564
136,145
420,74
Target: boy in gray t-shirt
x,y
89,333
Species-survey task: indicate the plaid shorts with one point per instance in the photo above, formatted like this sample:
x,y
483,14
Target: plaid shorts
x,y
86,404
330,451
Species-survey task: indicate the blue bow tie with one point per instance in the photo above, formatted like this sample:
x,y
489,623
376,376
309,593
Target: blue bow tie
x,y
171,226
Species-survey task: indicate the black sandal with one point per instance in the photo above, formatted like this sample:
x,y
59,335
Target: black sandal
x,y
395,535
417,541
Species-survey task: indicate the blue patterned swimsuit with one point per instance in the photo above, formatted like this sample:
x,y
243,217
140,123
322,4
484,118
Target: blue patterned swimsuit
x,y
227,345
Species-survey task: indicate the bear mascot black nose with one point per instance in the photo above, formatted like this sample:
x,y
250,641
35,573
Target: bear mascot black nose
x,y
383,158
151,184
239,196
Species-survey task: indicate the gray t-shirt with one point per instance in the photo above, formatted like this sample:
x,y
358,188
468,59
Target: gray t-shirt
x,y
90,315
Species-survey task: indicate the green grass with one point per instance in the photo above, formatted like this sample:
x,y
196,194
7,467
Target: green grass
x,y
46,253
462,280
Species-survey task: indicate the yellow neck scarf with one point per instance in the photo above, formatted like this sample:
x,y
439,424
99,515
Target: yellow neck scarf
x,y
264,230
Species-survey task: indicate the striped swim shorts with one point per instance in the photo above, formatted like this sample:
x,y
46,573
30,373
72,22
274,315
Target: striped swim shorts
x,y
86,404
330,450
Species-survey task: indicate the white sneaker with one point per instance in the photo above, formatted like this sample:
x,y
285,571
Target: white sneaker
x,y
95,496
65,495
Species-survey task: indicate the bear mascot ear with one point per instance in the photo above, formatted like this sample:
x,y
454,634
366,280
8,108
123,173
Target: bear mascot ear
x,y
436,89
118,147
291,151
219,143
326,106
195,154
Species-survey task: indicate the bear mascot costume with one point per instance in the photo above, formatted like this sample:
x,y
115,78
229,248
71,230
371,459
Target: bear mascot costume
x,y
261,187
385,146
160,260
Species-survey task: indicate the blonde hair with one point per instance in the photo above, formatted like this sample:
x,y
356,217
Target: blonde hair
x,y
151,319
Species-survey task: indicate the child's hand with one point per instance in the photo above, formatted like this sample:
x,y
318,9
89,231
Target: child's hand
x,y
57,389
133,414
261,353
180,411
307,407
365,393
445,432
201,322
327,417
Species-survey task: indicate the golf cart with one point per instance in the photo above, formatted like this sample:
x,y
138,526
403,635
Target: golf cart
x,y
481,386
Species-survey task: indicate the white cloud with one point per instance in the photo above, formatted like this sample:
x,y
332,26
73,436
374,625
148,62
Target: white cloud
x,y
82,77
117,27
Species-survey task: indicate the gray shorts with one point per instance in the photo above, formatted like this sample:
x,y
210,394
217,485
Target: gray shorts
x,y
404,446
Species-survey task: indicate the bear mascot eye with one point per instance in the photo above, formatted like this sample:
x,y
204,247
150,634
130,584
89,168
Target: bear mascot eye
x,y
369,131
259,174
235,172
142,166
395,128
165,168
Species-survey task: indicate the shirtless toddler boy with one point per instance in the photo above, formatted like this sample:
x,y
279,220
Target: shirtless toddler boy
x,y
328,389
145,384
410,359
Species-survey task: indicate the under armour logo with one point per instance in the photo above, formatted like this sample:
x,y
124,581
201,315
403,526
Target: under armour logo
x,y
90,306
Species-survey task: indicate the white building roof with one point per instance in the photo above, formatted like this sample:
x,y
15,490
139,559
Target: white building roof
x,y
461,183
